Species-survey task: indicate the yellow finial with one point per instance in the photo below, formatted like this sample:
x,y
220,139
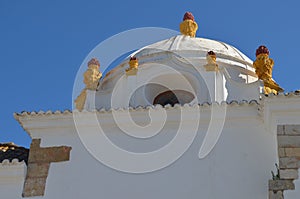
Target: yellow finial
x,y
188,27
92,75
211,59
91,81
263,68
133,66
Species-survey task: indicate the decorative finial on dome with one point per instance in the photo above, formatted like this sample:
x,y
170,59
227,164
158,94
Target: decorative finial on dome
x,y
263,68
188,15
262,50
92,75
211,59
188,27
91,81
94,61
133,66
212,53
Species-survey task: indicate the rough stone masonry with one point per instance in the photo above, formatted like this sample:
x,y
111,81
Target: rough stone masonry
x,y
38,166
288,138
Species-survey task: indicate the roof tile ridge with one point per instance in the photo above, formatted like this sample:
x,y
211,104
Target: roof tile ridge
x,y
140,108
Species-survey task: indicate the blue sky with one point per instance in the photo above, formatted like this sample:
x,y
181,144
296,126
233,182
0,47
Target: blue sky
x,y
43,43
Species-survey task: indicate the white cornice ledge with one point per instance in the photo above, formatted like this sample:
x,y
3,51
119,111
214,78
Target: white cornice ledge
x,y
39,124
233,103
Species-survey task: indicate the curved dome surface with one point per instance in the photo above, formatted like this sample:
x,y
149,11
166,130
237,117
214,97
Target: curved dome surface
x,y
200,46
193,49
179,64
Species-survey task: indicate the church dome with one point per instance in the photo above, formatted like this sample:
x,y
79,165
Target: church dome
x,y
197,48
186,57
182,69
194,51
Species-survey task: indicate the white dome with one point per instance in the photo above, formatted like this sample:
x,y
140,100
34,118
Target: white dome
x,y
200,46
192,49
197,48
173,61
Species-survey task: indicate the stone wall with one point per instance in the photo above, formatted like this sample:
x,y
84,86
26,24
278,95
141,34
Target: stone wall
x,y
288,138
38,166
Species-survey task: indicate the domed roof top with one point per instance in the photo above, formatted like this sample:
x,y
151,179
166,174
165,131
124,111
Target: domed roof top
x,y
190,48
195,47
215,72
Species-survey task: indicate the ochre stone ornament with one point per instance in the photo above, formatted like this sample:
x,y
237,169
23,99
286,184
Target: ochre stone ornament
x,y
188,27
211,59
92,75
133,66
91,81
263,68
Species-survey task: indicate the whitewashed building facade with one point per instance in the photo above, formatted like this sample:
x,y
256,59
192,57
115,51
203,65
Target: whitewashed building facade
x,y
185,117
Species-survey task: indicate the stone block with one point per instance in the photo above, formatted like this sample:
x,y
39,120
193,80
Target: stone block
x,y
59,154
292,130
292,152
289,174
288,141
35,144
38,166
37,170
280,185
289,163
34,187
281,152
38,156
275,195
280,130
49,154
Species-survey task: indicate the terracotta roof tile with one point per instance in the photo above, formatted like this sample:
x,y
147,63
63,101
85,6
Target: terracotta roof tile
x,y
10,151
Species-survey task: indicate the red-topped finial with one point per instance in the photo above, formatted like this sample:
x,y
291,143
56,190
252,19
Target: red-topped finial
x,y
211,53
133,58
188,26
262,50
94,61
133,66
133,62
188,15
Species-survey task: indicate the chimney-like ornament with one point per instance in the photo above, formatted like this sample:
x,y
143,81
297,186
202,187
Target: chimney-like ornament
x,y
188,26
91,80
133,66
263,68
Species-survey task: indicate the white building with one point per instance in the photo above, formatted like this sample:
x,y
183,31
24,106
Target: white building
x,y
185,117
